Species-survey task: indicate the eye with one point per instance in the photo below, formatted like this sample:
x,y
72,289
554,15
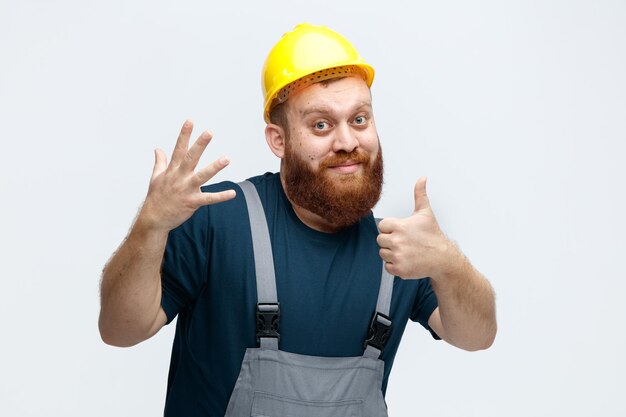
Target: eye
x,y
360,120
321,125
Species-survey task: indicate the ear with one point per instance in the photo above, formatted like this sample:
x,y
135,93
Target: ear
x,y
275,137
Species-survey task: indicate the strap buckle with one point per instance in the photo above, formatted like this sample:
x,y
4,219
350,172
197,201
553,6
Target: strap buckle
x,y
380,329
267,320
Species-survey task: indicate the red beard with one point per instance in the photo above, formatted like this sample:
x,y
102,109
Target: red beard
x,y
340,200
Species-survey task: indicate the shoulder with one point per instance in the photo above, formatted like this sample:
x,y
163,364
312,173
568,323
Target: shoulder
x,y
227,213
269,178
262,182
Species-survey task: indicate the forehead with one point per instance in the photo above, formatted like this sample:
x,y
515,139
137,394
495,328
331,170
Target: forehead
x,y
345,94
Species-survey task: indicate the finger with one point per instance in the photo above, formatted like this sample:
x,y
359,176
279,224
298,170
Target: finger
x,y
160,162
208,172
421,198
387,225
391,268
182,143
386,255
192,156
384,240
205,199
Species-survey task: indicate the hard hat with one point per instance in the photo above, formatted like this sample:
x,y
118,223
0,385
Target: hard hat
x,y
314,51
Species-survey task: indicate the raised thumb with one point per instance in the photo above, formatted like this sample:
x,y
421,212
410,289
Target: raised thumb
x,y
421,198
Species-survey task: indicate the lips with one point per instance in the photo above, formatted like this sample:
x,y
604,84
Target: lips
x,y
344,164
343,160
346,168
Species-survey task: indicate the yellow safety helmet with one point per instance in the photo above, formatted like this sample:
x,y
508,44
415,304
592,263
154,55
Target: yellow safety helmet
x,y
306,55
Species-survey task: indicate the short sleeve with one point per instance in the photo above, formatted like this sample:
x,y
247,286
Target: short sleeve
x,y
424,304
184,267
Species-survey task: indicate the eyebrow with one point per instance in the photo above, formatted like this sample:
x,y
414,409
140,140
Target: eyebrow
x,y
327,109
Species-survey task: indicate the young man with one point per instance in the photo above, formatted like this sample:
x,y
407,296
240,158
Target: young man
x,y
327,336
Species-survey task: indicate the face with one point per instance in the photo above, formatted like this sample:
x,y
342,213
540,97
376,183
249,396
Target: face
x,y
332,164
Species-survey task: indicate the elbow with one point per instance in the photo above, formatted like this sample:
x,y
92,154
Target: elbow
x,y
112,336
112,340
120,331
491,338
482,343
473,340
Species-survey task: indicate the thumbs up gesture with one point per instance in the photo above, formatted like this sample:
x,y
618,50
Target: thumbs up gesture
x,y
414,247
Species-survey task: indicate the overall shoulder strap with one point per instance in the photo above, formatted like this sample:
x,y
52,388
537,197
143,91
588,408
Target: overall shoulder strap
x,y
380,326
268,310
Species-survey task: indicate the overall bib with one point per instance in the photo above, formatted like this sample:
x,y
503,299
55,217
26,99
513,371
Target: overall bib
x,y
273,383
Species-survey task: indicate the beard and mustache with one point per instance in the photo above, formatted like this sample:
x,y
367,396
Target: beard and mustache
x,y
339,199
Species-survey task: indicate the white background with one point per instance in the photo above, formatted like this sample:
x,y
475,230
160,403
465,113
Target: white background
x,y
515,110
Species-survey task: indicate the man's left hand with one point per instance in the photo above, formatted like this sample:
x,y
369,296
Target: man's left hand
x,y
414,247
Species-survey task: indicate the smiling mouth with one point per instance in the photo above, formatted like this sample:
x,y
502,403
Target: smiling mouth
x,y
346,167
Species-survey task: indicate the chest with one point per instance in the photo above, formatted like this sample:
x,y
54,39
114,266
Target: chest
x,y
327,290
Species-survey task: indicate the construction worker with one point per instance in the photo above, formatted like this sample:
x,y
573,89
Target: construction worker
x,y
291,299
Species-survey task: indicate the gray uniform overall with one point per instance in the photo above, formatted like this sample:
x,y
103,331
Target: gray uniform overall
x,y
273,383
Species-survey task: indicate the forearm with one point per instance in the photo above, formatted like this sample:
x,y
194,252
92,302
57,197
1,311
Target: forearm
x,y
466,303
130,307
131,288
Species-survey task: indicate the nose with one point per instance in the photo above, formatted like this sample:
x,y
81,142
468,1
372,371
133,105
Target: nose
x,y
345,139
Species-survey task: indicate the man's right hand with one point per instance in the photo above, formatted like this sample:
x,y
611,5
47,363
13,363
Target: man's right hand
x,y
174,193
131,291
